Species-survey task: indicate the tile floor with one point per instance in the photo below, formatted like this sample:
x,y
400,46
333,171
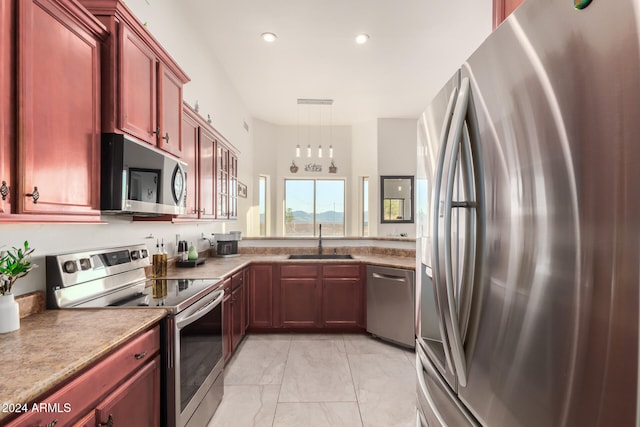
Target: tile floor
x,y
310,380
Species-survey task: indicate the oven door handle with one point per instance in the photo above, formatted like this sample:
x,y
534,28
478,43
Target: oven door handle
x,y
200,313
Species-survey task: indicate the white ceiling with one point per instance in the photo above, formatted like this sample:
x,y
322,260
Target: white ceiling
x,y
414,46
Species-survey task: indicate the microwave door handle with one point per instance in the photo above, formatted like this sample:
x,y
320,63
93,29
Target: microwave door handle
x,y
455,136
200,313
438,288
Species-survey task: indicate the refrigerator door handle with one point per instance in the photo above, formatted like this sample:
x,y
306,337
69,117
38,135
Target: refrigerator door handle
x,y
456,134
439,293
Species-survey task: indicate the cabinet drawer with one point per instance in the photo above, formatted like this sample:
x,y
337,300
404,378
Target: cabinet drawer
x,y
299,271
81,394
341,270
237,279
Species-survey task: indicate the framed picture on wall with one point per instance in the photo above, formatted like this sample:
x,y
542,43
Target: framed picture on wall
x,y
242,190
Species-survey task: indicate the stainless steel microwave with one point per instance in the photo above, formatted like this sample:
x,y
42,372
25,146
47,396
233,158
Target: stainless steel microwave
x,y
138,178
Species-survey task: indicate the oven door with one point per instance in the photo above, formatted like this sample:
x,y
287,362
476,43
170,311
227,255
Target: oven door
x,y
195,380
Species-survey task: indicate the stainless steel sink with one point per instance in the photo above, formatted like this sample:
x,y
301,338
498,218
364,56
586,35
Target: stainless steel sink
x,y
321,256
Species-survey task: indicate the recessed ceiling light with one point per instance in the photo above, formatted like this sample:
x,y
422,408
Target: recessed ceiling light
x,y
362,38
268,37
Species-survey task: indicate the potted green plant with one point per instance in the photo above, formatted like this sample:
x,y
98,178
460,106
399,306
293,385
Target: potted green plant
x,y
14,264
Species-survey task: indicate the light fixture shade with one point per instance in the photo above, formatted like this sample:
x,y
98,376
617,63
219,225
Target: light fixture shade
x,y
309,150
331,151
320,151
268,37
298,150
362,38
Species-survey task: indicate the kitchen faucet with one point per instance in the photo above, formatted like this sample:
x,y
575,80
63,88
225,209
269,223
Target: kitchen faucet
x,y
320,239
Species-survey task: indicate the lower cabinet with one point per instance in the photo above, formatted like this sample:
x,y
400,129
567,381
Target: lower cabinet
x,y
261,296
234,308
121,389
132,403
307,297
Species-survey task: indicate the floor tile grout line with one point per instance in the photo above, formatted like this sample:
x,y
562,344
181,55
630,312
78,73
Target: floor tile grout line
x,y
284,369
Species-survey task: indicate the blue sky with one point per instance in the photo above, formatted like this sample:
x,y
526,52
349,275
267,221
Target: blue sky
x,y
329,193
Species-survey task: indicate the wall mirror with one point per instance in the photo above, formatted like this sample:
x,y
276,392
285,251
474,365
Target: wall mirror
x,y
397,199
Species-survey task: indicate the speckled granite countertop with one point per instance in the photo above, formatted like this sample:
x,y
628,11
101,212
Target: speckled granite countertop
x,y
222,267
52,346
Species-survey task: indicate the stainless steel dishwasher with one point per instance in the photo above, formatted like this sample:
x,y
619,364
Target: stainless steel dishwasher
x,y
391,304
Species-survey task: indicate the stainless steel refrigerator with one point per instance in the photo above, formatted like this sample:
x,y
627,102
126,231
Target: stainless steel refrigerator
x,y
528,199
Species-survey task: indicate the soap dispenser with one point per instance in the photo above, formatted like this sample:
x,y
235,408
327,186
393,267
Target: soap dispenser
x,y
193,254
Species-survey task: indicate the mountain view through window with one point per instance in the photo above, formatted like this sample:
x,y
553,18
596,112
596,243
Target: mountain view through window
x,y
309,202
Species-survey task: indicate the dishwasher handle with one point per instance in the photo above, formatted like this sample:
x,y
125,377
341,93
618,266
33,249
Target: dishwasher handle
x,y
389,277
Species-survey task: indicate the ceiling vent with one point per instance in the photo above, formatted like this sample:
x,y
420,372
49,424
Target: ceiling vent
x,y
315,101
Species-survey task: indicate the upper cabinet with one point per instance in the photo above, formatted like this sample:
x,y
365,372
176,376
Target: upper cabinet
x,y
502,9
142,84
212,170
57,111
7,101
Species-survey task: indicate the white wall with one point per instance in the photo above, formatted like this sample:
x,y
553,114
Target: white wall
x,y
397,145
216,96
373,148
364,145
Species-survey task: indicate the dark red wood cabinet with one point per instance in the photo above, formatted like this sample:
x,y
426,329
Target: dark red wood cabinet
x,y
198,152
343,297
190,155
261,296
7,102
234,306
300,294
205,151
142,84
206,162
502,9
56,89
124,387
307,296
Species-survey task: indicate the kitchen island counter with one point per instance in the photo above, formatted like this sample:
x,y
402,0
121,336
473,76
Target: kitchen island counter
x,y
53,346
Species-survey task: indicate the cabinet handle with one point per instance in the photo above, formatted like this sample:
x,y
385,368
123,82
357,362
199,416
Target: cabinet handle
x,y
109,422
166,137
35,195
4,190
139,356
157,131
51,424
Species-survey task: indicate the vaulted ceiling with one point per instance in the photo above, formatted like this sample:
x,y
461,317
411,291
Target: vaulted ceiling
x,y
414,47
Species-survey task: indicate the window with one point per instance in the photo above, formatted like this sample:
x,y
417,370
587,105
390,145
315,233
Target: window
x,y
262,192
309,202
365,206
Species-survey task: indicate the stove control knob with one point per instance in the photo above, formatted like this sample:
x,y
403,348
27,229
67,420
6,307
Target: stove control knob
x,y
70,267
143,253
85,264
135,255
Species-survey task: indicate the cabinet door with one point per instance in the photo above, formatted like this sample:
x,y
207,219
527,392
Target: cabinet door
x,y
138,68
245,301
233,186
190,131
58,120
299,302
342,302
170,111
207,174
136,402
227,326
261,296
7,41
88,420
236,324
222,182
